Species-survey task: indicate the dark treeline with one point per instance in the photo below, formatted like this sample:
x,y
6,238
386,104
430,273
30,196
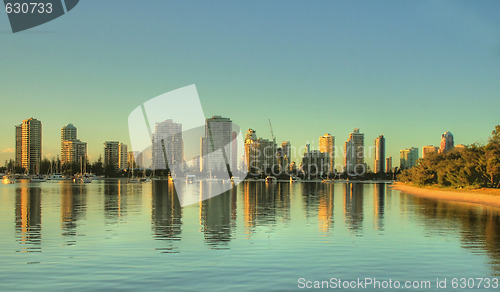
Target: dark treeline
x,y
474,166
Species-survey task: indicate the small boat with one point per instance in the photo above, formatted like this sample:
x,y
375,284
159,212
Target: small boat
x,y
190,178
270,179
56,177
38,178
133,181
292,179
212,180
83,179
9,179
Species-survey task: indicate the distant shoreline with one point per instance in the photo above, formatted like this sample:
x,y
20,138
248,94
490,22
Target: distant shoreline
x,y
489,197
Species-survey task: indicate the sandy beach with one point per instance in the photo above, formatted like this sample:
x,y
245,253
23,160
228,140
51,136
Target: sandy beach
x,y
490,197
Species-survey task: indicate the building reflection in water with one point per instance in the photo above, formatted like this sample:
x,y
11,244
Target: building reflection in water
x,y
115,201
325,209
73,208
29,218
216,217
479,226
318,203
166,215
353,206
264,203
379,191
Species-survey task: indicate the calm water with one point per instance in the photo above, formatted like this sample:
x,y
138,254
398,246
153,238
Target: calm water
x,y
112,235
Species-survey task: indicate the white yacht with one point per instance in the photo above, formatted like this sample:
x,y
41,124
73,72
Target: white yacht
x,y
37,178
56,177
190,178
85,179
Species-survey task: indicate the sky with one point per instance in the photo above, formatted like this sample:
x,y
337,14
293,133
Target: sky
x,y
409,70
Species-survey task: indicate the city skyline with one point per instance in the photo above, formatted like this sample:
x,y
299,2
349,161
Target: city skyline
x,y
306,67
68,138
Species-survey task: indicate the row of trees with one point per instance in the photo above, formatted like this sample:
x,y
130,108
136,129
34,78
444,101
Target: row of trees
x,y
474,166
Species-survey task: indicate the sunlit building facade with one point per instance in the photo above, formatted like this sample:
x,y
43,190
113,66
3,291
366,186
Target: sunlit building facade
x,y
31,145
112,154
73,151
327,145
447,142
429,150
379,164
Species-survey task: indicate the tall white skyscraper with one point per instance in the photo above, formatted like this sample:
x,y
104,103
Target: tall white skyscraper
x,y
218,137
167,144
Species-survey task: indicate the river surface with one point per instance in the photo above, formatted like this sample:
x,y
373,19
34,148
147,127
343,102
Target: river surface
x,y
110,235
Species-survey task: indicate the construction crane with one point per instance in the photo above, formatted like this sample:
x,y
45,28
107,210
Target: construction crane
x,y
272,133
274,141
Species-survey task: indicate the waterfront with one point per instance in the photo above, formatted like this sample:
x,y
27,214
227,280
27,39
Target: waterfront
x,y
257,236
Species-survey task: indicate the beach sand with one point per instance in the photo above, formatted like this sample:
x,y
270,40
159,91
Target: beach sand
x,y
490,197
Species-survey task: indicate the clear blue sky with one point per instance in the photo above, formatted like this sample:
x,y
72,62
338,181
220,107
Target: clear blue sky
x,y
407,69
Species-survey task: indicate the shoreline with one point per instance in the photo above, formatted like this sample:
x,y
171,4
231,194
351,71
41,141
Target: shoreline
x,y
488,197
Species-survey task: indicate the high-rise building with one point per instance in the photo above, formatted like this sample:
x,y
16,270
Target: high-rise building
x,y
218,137
167,144
315,163
284,156
31,145
19,145
68,133
379,155
447,142
73,151
123,156
388,164
327,145
112,154
354,157
408,157
379,166
259,153
428,150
